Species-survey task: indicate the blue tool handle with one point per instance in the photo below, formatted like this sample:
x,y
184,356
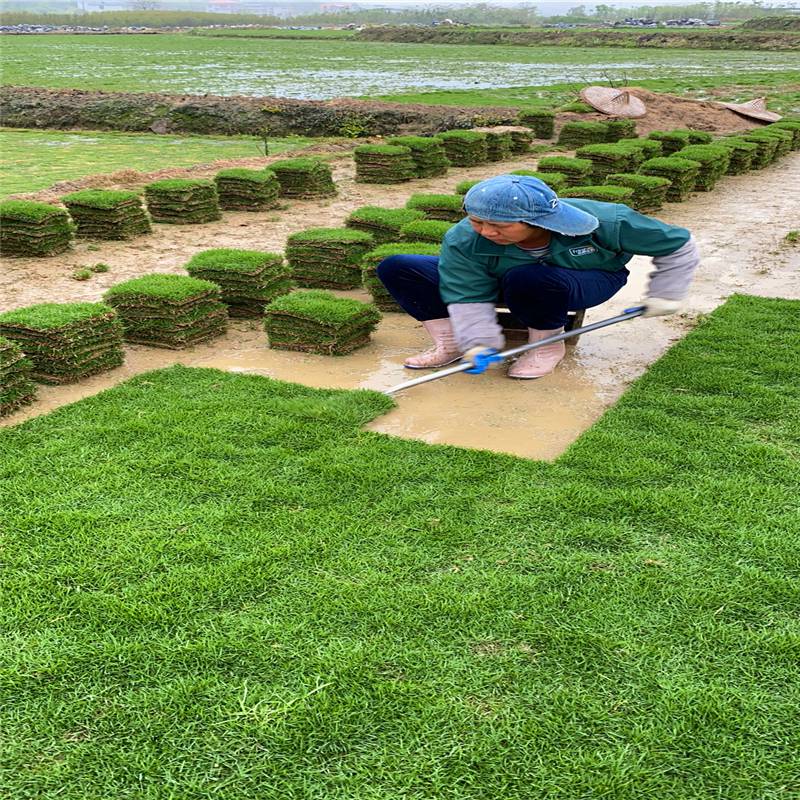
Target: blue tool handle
x,y
633,309
483,360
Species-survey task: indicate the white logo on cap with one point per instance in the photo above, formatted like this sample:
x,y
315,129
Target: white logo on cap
x,y
554,202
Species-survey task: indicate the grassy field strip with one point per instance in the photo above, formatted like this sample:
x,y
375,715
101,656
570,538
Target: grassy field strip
x,y
33,159
218,586
314,69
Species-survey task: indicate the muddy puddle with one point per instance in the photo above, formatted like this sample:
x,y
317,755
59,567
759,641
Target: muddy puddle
x,y
739,226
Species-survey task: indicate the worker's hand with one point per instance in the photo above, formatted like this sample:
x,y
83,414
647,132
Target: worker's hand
x,y
481,358
660,307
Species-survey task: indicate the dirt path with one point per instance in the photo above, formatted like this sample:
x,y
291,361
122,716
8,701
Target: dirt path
x,y
739,227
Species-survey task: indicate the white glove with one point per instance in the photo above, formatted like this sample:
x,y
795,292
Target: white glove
x,y
660,307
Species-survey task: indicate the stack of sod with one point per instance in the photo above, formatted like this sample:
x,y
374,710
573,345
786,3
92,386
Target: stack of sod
x,y
541,122
713,162
577,134
696,137
304,177
741,153
608,158
576,170
671,141
33,229
499,145
315,321
784,138
767,148
605,193
649,148
521,139
182,202
16,387
787,125
383,223
172,311
621,129
247,189
107,214
380,296
248,279
465,186
680,172
425,230
557,181
328,258
66,341
649,192
464,148
447,207
384,163
430,159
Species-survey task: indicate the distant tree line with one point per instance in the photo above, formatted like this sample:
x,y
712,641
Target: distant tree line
x,y
480,14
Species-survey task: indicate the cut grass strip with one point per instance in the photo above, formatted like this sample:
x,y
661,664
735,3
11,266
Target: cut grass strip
x,y
219,586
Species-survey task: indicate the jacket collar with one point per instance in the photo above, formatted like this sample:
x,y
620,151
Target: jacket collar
x,y
558,243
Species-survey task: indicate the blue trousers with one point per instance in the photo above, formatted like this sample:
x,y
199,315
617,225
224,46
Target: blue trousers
x,y
538,294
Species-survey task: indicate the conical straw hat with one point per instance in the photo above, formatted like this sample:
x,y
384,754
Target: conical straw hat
x,y
757,109
615,102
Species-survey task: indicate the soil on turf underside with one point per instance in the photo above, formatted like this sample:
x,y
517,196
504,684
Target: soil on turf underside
x,y
739,227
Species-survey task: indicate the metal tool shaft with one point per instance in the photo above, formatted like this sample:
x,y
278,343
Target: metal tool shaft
x,y
629,313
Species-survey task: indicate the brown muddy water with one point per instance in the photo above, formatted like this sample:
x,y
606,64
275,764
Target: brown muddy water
x,y
739,226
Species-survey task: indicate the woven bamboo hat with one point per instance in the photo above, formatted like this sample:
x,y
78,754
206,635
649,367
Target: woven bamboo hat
x,y
756,109
615,102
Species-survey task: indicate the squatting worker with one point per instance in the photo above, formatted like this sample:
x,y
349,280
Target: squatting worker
x,y
524,248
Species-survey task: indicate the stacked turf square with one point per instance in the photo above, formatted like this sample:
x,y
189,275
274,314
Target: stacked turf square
x,y
248,279
499,144
521,139
304,177
316,321
430,159
766,148
621,129
787,125
576,170
681,172
172,311
383,224
649,192
328,258
425,230
66,341
464,148
542,122
784,139
605,193
608,158
557,181
107,214
447,207
179,201
16,387
384,163
380,296
578,134
696,137
33,229
741,152
713,162
464,186
649,148
247,189
671,141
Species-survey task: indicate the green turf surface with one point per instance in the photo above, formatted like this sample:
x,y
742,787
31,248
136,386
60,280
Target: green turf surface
x,y
217,586
315,69
34,160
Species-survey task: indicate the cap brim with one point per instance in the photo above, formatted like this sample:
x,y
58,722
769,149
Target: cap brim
x,y
567,220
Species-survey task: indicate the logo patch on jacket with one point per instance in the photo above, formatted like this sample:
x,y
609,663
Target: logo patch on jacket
x,y
583,251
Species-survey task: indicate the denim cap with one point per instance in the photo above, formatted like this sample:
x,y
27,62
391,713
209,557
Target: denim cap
x,y
522,198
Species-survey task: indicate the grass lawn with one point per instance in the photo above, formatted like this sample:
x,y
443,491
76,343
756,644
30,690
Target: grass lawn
x,y
216,585
318,69
34,159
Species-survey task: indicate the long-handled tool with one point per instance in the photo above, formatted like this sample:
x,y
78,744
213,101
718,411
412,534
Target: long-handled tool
x,y
468,366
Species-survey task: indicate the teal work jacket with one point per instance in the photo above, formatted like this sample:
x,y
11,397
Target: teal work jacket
x,y
471,267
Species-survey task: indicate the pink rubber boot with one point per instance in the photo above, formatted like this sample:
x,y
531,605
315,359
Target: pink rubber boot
x,y
541,361
444,351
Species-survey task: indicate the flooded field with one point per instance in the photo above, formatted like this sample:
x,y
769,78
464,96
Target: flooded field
x,y
320,70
